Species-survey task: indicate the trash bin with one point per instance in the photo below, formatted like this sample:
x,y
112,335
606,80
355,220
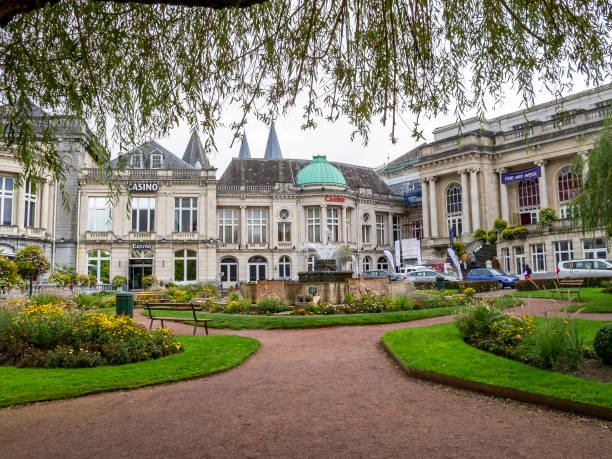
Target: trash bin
x,y
125,303
440,283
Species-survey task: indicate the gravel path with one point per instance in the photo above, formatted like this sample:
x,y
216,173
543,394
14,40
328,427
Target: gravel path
x,y
305,393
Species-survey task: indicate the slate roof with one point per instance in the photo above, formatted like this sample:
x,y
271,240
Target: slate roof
x,y
169,160
267,172
194,153
245,152
273,150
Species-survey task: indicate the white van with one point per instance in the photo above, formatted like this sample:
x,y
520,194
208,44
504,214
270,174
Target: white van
x,y
412,268
593,267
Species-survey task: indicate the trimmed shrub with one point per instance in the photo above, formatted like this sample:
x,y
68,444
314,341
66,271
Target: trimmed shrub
x,y
479,286
541,284
606,287
480,234
272,304
499,225
119,281
459,248
547,216
603,343
492,237
514,232
8,273
149,281
59,279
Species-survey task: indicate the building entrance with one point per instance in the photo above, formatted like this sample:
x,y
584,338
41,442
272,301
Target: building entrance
x,y
141,265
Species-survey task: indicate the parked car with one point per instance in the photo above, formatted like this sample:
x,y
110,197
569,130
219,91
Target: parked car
x,y
412,268
585,268
428,275
381,274
504,279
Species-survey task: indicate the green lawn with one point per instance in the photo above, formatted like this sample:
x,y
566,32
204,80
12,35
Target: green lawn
x,y
239,322
440,349
202,355
594,299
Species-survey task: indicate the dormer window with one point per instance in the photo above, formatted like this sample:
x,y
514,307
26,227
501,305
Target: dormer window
x,y
136,161
156,161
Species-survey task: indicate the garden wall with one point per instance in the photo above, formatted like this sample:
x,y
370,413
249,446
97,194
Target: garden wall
x,y
360,286
270,287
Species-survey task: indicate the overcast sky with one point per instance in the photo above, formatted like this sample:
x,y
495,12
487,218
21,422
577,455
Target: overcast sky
x,y
333,139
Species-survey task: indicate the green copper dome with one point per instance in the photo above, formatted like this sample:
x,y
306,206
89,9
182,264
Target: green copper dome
x,y
320,172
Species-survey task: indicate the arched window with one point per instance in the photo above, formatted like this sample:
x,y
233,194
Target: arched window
x,y
454,209
367,263
98,265
382,263
529,201
229,269
569,184
257,268
185,265
284,267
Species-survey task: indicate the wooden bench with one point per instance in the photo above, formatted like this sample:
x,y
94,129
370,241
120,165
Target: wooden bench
x,y
571,286
145,297
151,307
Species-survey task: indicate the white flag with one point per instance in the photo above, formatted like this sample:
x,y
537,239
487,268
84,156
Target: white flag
x,y
453,256
356,265
418,247
397,254
389,256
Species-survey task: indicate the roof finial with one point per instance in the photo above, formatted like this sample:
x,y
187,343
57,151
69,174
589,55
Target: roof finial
x,y
273,150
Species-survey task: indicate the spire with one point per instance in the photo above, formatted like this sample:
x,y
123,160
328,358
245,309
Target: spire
x,y
273,150
194,153
245,153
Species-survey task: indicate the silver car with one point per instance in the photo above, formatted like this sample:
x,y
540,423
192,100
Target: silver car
x,y
585,268
428,275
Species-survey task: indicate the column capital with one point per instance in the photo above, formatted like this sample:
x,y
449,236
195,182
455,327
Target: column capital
x,y
540,162
501,170
474,170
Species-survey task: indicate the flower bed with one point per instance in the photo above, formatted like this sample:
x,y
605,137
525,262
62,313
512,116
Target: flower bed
x,y
52,335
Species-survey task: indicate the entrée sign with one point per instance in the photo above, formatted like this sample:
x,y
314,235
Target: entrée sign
x,y
141,246
143,186
334,198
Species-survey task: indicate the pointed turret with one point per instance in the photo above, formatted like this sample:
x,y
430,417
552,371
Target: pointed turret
x,y
273,150
245,153
194,153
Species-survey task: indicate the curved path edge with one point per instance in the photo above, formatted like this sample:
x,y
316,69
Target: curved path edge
x,y
597,411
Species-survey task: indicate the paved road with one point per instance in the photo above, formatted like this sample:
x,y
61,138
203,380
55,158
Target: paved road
x,y
305,393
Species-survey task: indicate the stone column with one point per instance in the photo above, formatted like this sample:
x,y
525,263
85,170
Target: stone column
x,y
344,229
425,208
323,223
43,205
542,184
433,207
273,238
390,229
503,197
20,204
243,226
474,198
465,204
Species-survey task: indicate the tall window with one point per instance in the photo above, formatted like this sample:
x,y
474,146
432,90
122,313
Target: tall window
x,y
6,200
417,230
229,269
143,214
519,259
310,261
595,248
98,214
454,209
185,265
366,234
30,204
284,267
367,263
136,161
380,229
156,161
564,251
186,215
569,186
538,257
397,229
529,201
506,259
313,224
382,263
228,226
333,224
98,265
284,232
256,222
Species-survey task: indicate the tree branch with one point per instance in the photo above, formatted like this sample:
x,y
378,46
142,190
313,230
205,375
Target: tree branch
x,y
11,8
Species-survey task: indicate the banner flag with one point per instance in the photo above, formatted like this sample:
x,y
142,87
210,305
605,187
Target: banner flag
x,y
452,236
418,252
398,261
517,176
389,256
453,256
356,265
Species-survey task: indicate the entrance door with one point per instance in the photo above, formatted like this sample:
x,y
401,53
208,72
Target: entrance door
x,y
139,268
229,271
257,268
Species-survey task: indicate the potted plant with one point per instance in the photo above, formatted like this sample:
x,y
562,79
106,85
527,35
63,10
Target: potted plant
x,y
31,262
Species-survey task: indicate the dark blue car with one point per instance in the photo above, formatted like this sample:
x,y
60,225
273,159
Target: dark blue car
x,y
505,280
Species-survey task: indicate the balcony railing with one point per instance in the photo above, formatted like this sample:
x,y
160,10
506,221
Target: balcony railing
x,y
8,229
98,235
142,236
185,236
36,232
285,245
263,246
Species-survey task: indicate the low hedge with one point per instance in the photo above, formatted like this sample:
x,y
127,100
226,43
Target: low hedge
x,y
541,284
479,286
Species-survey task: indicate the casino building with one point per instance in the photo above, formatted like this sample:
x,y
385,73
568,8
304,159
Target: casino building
x,y
508,167
262,219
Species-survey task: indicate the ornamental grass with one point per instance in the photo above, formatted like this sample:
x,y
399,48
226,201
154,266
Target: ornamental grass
x,y
53,335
